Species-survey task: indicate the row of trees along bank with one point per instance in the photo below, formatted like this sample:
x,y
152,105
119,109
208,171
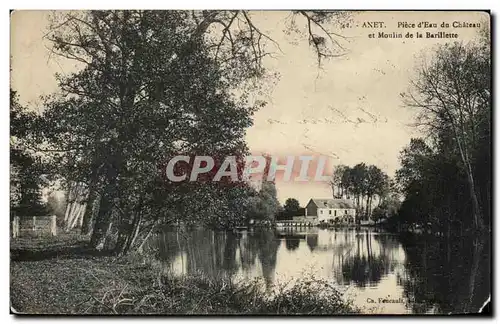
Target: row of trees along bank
x,y
446,176
363,183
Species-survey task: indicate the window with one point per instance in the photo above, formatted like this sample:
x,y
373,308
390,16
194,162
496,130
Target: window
x,y
346,211
335,213
321,211
330,212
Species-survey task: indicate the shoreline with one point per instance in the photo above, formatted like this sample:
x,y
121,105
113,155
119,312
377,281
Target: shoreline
x,y
67,284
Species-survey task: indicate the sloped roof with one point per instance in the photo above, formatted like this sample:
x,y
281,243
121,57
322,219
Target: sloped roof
x,y
333,203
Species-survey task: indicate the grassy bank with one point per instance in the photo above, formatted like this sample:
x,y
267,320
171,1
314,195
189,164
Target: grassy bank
x,y
62,281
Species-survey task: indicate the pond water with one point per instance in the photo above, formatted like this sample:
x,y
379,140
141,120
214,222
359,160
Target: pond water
x,y
379,271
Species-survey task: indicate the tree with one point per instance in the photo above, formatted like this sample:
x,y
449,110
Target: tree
x,y
433,183
27,169
413,160
265,205
152,85
388,209
339,180
452,95
361,181
358,183
291,207
126,111
377,184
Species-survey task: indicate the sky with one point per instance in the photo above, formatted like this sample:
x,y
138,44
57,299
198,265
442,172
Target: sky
x,y
348,109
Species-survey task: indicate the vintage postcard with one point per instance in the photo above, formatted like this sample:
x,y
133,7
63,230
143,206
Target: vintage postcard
x,y
250,162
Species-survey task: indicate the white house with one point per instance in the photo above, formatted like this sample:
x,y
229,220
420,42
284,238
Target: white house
x,y
331,210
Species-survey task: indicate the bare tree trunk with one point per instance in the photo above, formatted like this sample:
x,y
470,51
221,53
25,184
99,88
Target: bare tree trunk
x,y
71,216
476,255
69,200
123,237
68,208
371,203
367,209
103,222
127,235
88,216
135,232
380,200
369,206
129,231
71,213
76,196
77,215
82,213
141,246
478,220
464,154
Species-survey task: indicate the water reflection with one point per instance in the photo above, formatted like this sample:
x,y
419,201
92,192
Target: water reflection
x,y
373,259
292,243
428,275
446,276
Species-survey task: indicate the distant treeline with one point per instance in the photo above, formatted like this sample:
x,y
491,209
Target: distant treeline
x,y
444,184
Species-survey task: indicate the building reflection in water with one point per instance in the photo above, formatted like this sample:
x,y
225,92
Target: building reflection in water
x,y
430,276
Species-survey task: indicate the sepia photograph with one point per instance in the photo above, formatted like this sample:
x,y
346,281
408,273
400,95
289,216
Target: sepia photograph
x,y
250,162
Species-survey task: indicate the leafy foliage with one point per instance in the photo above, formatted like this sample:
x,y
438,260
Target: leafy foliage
x,y
27,169
388,209
446,179
291,207
148,91
151,85
360,183
265,205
